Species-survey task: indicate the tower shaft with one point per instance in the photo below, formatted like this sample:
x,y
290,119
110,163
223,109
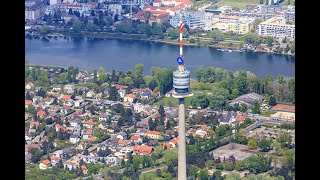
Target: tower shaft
x,y
182,169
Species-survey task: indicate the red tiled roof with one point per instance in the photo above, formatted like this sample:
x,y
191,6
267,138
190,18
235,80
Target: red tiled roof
x,y
32,123
175,140
46,162
134,138
83,167
54,158
67,97
240,118
142,149
153,132
130,96
41,113
92,138
283,107
168,145
157,13
89,122
58,126
27,102
87,132
204,127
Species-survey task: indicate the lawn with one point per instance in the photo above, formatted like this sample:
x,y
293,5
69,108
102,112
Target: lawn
x,y
167,101
240,4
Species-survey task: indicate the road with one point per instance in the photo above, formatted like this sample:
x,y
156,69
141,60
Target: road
x,y
263,119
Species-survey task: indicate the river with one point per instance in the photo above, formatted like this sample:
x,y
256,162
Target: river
x,y
122,55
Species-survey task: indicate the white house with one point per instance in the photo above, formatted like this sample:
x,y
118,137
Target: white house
x,y
122,92
69,165
29,85
138,107
74,138
75,122
56,88
111,160
90,94
69,88
104,116
78,103
115,9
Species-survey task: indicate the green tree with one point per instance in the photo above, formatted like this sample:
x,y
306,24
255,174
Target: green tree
x,y
272,101
161,111
284,138
77,25
113,94
252,144
240,165
256,108
203,174
264,145
243,107
147,15
173,33
92,27
170,156
216,35
252,38
95,77
269,41
44,30
287,48
258,163
232,176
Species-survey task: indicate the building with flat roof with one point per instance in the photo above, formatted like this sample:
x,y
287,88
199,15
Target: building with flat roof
x,y
276,27
247,99
283,107
236,24
193,19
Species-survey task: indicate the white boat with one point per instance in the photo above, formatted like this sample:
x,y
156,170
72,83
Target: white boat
x,y
230,50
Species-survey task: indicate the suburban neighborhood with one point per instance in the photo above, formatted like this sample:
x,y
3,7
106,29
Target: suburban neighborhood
x,y
92,124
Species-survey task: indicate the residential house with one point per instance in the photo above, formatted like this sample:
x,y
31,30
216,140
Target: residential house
x,y
227,117
34,124
111,160
141,132
103,125
82,146
48,101
153,134
88,124
104,116
69,88
56,88
143,150
247,99
153,143
45,164
65,110
90,94
58,153
86,133
84,169
79,103
75,122
111,129
122,92
122,135
240,118
74,138
170,133
115,9
27,103
92,139
126,150
136,139
115,118
34,9
69,165
54,160
201,133
29,85
36,99
138,107
68,152
174,142
129,98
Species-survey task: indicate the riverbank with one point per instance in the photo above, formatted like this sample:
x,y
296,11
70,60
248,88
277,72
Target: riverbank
x,y
142,37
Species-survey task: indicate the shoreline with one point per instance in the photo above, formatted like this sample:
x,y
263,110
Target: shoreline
x,y
143,37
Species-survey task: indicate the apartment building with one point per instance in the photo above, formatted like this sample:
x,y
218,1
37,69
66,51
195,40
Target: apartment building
x,y
239,25
276,27
34,10
192,19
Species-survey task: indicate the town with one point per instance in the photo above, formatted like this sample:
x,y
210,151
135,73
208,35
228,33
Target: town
x,y
123,125
252,25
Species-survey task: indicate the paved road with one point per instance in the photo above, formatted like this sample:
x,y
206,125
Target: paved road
x,y
263,119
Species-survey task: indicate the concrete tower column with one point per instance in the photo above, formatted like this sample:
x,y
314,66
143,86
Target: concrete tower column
x,y
182,169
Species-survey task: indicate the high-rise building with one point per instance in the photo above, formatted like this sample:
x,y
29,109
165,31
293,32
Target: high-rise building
x,y
181,85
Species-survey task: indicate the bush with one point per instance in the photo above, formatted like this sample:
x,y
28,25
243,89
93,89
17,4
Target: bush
x,y
192,41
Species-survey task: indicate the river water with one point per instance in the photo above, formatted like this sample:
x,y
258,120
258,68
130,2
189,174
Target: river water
x,y
122,55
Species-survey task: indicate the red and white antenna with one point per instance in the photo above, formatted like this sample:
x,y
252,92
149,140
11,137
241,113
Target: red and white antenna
x,y
181,26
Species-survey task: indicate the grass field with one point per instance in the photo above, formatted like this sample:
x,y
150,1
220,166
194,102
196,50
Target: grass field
x,y
240,4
